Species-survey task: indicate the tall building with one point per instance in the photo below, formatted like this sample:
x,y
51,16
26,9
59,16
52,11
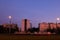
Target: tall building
x,y
25,25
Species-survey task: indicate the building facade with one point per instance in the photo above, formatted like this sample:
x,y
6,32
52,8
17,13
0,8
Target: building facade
x,y
43,26
25,25
10,28
52,25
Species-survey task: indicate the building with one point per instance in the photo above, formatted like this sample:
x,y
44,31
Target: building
x,y
10,27
52,25
25,25
58,25
43,26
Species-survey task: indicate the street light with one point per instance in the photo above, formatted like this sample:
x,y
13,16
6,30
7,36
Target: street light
x,y
57,21
10,19
10,23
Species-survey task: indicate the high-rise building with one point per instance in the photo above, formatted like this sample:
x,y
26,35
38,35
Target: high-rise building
x,y
25,25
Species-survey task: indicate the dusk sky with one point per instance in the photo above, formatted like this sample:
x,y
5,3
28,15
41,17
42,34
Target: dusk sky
x,y
34,10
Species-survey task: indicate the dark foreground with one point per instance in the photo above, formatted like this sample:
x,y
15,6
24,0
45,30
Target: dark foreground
x,y
29,37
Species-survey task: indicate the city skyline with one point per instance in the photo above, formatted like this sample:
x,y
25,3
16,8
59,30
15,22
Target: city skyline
x,y
35,10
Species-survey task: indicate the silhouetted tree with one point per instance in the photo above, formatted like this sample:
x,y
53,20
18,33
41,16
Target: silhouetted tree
x,y
32,30
58,30
15,29
1,28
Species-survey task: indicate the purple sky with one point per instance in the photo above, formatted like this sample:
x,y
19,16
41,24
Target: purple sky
x,y
34,10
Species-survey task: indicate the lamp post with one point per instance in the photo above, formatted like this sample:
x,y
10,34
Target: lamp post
x,y
10,19
57,21
9,23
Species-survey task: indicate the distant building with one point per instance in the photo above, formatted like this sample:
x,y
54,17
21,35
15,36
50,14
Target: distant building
x,y
58,25
43,26
11,27
52,25
25,25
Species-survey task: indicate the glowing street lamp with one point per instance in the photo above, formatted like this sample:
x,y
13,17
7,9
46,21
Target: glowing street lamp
x,y
57,21
10,23
10,19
